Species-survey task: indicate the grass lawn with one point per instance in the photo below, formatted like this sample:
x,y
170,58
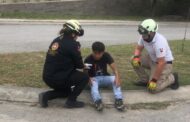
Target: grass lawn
x,y
25,69
56,15
38,15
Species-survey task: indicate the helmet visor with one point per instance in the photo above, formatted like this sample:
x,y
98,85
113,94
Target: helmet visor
x,y
142,30
81,32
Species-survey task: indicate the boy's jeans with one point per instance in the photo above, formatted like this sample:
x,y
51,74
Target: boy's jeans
x,y
104,81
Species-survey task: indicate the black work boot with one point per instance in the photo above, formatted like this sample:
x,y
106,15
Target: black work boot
x,y
119,105
50,95
140,83
99,105
73,103
175,85
43,100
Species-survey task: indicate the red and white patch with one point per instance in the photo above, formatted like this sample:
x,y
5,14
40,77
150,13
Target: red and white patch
x,y
55,46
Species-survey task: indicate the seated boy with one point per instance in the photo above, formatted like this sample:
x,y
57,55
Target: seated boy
x,y
99,59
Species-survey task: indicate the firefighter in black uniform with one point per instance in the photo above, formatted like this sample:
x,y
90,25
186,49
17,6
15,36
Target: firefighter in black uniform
x,y
60,69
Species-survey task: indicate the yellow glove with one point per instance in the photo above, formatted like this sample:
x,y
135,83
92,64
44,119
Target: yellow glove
x,y
136,61
152,85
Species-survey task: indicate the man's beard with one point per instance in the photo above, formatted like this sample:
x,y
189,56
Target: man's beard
x,y
149,39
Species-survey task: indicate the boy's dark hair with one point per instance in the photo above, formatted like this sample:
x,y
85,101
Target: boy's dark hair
x,y
98,47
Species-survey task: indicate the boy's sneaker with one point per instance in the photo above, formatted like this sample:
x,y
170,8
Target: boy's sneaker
x,y
99,105
119,105
43,100
175,85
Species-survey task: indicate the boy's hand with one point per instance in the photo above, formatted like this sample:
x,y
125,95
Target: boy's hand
x,y
90,81
117,82
117,78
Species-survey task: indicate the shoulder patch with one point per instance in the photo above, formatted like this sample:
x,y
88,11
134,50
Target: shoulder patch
x,y
55,46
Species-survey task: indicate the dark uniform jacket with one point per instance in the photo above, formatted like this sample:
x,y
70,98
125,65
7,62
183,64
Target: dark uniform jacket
x,y
63,57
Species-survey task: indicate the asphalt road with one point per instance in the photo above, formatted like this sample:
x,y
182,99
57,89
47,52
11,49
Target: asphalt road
x,y
27,37
19,112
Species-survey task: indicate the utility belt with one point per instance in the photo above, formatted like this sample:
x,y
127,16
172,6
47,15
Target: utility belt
x,y
167,62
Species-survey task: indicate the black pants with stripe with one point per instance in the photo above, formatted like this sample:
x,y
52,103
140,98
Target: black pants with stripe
x,y
71,87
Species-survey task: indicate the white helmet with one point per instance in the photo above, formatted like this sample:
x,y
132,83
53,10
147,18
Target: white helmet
x,y
73,26
147,26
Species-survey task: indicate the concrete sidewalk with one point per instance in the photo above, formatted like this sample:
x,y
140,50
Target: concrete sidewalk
x,y
28,94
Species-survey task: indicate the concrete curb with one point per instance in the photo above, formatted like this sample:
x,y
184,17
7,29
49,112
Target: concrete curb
x,y
61,21
28,94
83,22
